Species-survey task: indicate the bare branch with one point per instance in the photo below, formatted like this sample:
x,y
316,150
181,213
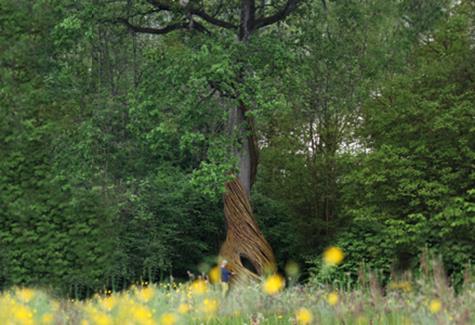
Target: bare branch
x,y
290,6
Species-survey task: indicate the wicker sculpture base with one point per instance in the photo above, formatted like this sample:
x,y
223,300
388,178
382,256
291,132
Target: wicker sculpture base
x,y
244,241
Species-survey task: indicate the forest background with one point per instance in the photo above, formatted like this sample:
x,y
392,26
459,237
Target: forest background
x,y
114,150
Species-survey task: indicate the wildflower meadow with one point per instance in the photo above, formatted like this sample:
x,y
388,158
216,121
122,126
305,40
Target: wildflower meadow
x,y
426,299
238,162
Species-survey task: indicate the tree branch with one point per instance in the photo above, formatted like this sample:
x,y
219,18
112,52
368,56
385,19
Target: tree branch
x,y
151,30
199,27
214,21
290,6
188,9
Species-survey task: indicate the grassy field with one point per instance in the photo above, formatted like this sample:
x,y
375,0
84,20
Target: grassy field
x,y
404,302
423,299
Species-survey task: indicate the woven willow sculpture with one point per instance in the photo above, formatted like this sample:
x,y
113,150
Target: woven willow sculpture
x,y
244,240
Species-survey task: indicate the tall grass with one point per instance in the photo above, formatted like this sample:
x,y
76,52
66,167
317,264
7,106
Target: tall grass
x,y
425,298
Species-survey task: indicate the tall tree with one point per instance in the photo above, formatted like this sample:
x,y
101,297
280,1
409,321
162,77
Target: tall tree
x,y
414,186
245,247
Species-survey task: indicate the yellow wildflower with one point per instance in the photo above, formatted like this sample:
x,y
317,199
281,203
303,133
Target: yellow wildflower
x,y
25,294
101,319
332,298
168,319
402,285
215,275
47,318
142,314
273,284
145,294
333,256
22,315
435,306
210,306
199,287
109,302
184,308
304,316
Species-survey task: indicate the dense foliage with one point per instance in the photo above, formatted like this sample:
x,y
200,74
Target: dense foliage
x,y
414,186
114,148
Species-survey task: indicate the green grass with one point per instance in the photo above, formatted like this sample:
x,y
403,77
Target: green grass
x,y
406,302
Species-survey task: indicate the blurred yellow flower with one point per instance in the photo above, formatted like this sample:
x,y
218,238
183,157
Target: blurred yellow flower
x,y
25,294
47,319
22,315
145,294
108,302
435,306
210,306
273,284
142,314
304,316
101,319
332,298
333,256
199,287
184,308
405,286
215,275
168,319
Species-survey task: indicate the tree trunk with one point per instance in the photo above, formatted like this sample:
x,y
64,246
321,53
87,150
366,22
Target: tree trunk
x,y
247,251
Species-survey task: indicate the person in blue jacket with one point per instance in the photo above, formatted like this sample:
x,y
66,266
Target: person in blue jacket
x,y
225,276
